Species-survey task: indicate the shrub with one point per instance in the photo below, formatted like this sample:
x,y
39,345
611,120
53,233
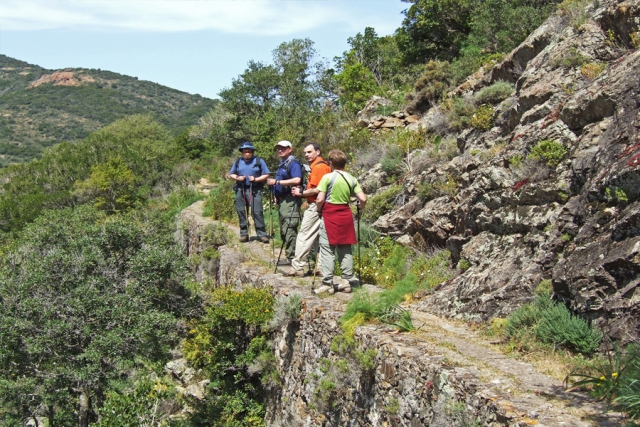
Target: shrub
x,y
140,405
494,94
551,151
220,205
463,264
515,160
394,267
459,111
483,118
559,327
592,70
381,203
574,11
229,346
392,161
437,189
287,309
430,86
570,59
552,323
544,287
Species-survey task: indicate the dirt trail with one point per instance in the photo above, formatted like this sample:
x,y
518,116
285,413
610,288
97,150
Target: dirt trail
x,y
516,385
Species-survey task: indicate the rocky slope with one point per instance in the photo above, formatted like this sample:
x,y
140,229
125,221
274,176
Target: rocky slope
x,y
516,219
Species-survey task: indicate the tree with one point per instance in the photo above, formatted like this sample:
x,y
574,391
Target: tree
x,y
434,29
82,297
112,186
271,101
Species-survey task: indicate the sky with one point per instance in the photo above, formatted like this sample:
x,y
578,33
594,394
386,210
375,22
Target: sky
x,y
197,46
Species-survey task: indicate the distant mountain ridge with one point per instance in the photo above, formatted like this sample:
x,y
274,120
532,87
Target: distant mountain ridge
x,y
41,107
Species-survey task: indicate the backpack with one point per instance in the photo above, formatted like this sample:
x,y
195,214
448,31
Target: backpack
x,y
258,185
258,162
306,170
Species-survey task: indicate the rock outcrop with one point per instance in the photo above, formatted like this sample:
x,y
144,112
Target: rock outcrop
x,y
518,220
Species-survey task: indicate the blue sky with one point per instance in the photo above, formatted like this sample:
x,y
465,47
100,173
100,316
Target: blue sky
x,y
197,46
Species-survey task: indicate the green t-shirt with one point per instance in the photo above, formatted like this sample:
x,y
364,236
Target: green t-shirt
x,y
337,191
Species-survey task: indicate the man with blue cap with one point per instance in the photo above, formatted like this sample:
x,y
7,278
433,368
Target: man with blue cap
x,y
249,172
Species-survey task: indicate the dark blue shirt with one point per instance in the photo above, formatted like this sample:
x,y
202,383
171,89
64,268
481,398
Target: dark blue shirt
x,y
288,169
249,168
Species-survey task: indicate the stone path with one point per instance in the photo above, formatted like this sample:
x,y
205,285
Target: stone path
x,y
525,394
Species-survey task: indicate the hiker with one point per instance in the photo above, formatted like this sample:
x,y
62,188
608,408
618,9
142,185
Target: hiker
x,y
310,226
288,175
250,172
337,232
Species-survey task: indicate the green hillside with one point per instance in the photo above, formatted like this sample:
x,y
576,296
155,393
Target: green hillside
x,y
41,108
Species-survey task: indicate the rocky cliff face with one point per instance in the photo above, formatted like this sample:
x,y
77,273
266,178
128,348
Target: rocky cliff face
x,y
519,219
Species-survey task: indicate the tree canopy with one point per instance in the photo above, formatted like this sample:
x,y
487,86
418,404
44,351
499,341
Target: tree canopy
x,y
82,297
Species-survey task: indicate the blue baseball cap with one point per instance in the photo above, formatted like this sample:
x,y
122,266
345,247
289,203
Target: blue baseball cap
x,y
246,145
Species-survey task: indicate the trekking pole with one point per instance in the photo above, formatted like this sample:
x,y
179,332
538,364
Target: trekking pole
x,y
315,269
246,211
359,259
273,246
284,236
251,206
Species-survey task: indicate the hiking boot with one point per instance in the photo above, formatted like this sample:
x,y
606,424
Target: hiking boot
x,y
293,273
263,239
342,285
324,288
284,262
244,239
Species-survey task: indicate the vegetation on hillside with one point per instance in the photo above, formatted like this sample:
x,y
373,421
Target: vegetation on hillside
x,y
35,117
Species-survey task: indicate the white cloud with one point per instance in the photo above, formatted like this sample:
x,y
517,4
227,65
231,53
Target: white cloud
x,y
259,17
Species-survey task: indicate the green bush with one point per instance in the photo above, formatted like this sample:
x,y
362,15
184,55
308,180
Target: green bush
x,y
494,94
570,59
483,118
459,112
552,323
430,87
381,203
559,327
392,161
551,151
220,204
229,346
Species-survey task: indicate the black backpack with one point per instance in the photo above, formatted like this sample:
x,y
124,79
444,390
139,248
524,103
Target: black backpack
x,y
306,170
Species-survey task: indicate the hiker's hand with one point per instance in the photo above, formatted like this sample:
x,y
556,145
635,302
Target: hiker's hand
x,y
240,178
271,181
252,178
296,191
